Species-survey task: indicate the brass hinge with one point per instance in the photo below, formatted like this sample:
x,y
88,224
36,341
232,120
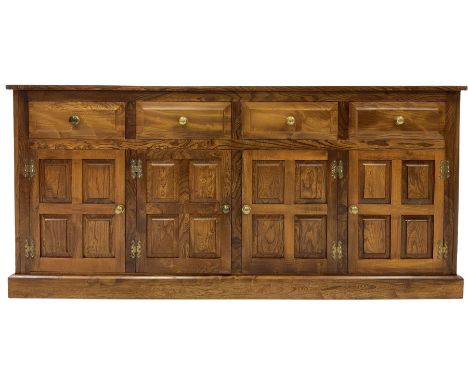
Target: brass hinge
x,y
337,251
445,169
442,250
136,168
29,169
135,249
29,249
337,171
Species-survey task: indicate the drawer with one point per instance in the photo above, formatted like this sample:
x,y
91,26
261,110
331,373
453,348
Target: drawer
x,y
286,120
76,119
161,120
424,120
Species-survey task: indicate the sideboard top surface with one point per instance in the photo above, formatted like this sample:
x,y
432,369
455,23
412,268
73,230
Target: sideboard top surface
x,y
241,88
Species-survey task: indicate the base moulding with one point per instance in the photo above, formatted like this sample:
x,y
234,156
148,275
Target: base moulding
x,y
235,287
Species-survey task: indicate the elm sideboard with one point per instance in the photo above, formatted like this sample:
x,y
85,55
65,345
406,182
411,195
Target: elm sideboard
x,y
236,192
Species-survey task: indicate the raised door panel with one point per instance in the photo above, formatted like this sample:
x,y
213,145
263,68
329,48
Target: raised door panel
x,y
180,221
73,201
291,226
399,221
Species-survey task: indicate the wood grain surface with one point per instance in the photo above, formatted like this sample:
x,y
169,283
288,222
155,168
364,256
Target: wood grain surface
x,y
236,287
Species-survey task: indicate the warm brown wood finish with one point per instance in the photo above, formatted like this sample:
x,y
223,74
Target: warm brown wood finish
x,y
95,119
291,225
238,287
400,212
183,119
281,120
73,219
397,119
142,192
181,223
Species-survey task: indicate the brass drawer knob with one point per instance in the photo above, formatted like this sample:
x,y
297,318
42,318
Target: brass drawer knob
x,y
353,209
399,120
226,208
119,209
183,121
74,120
290,120
246,209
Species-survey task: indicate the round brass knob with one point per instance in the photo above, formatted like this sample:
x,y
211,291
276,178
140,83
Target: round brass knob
x,y
399,120
226,208
353,209
290,120
119,209
74,120
183,121
246,209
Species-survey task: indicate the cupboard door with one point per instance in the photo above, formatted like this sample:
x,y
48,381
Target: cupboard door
x,y
181,223
289,212
395,220
73,220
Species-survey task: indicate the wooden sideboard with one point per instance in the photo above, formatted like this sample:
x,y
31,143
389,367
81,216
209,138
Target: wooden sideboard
x,y
236,192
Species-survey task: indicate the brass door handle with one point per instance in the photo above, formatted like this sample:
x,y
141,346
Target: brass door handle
x,y
183,121
353,209
119,209
74,120
399,120
290,120
246,209
226,208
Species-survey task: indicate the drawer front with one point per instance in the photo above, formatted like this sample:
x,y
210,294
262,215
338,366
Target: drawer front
x,y
76,119
161,120
397,120
286,120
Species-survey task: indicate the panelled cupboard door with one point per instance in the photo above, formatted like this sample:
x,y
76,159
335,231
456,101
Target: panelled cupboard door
x,y
289,213
75,225
395,219
182,226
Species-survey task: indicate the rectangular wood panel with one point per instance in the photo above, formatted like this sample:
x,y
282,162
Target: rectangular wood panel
x,y
290,120
73,203
55,181
291,226
379,119
166,120
98,120
400,206
180,221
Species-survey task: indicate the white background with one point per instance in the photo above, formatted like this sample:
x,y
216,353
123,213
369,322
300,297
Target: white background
x,y
229,43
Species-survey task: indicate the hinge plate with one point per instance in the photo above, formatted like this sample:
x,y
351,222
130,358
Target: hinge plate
x,y
29,169
135,249
337,251
337,170
444,169
442,250
136,168
29,249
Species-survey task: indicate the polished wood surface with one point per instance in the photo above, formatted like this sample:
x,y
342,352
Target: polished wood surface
x,y
272,148
96,119
236,287
200,119
237,88
400,212
292,222
376,119
181,224
73,220
312,120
